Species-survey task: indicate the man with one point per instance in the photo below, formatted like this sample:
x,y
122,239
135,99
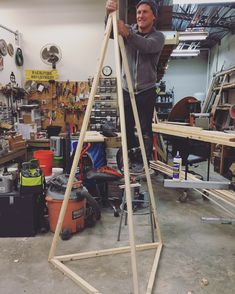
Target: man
x,y
143,45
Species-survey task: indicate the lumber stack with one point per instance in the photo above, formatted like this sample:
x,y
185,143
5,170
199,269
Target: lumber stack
x,y
225,196
195,133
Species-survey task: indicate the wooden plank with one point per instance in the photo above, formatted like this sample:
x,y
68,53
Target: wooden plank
x,y
154,270
215,201
176,123
226,86
74,277
189,184
93,136
221,196
195,134
225,195
80,143
39,143
160,144
106,252
213,87
141,141
208,97
219,135
11,155
228,197
56,261
180,128
218,96
118,41
229,71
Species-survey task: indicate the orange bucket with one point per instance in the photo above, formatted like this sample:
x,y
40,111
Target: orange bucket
x,y
74,218
45,158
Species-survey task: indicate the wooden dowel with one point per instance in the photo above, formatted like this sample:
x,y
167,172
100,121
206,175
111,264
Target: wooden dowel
x,y
125,158
74,277
154,270
106,252
140,136
81,140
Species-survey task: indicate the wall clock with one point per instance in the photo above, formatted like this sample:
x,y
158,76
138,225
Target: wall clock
x,y
107,70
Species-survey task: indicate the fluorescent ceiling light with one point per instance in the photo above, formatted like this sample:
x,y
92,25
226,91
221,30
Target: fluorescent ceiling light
x,y
201,1
185,53
192,36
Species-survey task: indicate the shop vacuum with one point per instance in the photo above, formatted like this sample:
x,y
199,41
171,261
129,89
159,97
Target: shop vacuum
x,y
22,204
82,211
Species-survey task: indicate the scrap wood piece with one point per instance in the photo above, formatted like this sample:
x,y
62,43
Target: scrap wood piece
x,y
218,96
221,196
195,134
196,184
177,127
208,97
5,125
226,86
226,196
219,135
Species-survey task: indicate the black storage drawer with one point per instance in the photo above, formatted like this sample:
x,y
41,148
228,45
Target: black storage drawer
x,y
19,214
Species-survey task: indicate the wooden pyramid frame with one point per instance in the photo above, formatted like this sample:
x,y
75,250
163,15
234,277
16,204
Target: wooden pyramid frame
x,y
58,261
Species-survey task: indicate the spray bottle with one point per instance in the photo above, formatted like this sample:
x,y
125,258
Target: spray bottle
x,y
177,165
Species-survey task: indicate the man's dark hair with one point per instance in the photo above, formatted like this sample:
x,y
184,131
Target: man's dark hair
x,y
152,5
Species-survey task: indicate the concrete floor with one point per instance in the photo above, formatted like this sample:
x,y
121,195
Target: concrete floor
x,y
192,251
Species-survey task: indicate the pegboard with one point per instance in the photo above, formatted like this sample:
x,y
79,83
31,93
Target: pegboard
x,y
61,102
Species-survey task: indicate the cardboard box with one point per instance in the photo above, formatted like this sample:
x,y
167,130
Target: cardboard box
x,y
27,119
16,142
113,142
18,145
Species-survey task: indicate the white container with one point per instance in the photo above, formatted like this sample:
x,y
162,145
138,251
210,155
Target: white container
x,y
6,184
56,171
177,167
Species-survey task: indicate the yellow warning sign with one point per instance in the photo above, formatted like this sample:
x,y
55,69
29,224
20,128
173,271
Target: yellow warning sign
x,y
41,75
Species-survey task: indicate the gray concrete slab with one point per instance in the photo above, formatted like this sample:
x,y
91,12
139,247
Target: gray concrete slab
x,y
192,251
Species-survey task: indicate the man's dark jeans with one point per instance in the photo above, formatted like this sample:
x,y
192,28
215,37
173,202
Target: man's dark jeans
x,y
145,102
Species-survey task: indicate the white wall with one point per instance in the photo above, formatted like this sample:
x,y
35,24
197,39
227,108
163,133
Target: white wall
x,y
222,58
9,61
76,26
187,76
223,55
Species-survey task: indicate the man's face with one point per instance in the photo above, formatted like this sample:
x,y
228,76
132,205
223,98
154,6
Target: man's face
x,y
144,18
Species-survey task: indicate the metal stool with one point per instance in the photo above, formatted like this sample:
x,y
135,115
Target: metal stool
x,y
138,201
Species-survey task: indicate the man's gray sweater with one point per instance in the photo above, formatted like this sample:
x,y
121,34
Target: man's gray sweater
x,y
143,52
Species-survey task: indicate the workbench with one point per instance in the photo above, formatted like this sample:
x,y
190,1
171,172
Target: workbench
x,y
15,154
39,143
91,136
195,133
225,199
